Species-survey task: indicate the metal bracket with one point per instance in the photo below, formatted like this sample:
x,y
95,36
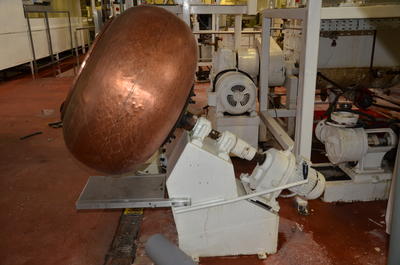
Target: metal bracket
x,y
145,191
348,25
277,131
211,204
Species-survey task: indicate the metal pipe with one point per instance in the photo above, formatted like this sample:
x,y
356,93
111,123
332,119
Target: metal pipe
x,y
199,206
264,64
35,69
163,252
394,253
224,32
70,33
371,64
238,31
49,42
76,50
83,38
242,32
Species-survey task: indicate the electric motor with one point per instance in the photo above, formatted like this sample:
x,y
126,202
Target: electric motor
x,y
279,168
236,93
346,143
248,61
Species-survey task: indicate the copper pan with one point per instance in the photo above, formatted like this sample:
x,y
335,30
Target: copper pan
x,y
131,90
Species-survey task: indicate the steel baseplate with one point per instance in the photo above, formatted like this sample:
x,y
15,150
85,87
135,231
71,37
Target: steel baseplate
x,y
144,191
341,186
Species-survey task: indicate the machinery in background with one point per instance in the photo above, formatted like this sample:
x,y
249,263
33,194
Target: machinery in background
x,y
359,153
232,96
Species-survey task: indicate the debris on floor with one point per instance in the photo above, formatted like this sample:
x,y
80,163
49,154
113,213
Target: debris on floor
x,y
30,135
48,112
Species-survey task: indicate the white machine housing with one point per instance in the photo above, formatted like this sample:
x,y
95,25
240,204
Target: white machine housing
x,y
247,59
280,167
240,228
225,216
345,143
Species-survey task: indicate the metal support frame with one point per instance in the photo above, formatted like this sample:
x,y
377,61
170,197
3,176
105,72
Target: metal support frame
x,y
264,63
359,24
282,113
291,85
176,9
217,32
218,9
87,29
238,31
48,34
186,9
96,20
307,80
138,191
33,62
133,203
277,131
308,70
49,40
374,11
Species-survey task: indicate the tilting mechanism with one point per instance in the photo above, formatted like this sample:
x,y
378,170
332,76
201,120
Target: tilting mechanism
x,y
275,168
217,214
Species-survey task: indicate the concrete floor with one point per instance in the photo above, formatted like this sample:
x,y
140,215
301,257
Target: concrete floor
x,y
40,182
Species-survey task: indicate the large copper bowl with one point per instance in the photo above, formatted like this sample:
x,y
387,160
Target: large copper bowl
x,y
131,90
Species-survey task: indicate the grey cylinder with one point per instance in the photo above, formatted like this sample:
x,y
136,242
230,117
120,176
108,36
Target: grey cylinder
x,y
163,252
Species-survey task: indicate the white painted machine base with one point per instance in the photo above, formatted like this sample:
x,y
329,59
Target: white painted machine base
x,y
367,187
222,231
367,176
240,228
349,191
245,127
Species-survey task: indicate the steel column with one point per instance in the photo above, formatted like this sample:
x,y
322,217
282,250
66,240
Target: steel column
x,y
307,80
264,63
70,33
34,63
238,31
186,12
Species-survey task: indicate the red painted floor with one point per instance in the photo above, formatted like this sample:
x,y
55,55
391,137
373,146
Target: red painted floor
x,y
334,234
40,182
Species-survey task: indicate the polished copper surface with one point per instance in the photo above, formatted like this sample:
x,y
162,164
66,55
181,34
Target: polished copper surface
x,y
131,90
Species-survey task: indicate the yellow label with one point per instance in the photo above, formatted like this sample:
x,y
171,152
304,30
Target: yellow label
x,y
130,211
